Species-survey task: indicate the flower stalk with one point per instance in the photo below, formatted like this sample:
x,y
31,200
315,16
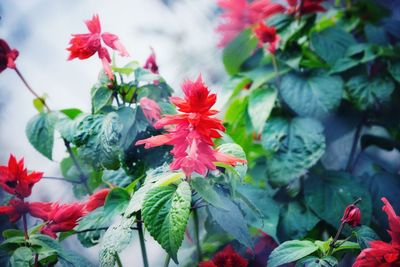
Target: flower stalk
x,y
197,234
139,225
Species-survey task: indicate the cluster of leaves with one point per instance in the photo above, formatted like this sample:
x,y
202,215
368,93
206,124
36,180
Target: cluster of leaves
x,y
317,122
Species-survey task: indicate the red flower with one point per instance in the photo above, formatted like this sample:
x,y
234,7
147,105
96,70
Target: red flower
x,y
15,209
85,45
97,199
299,8
226,258
267,35
352,215
7,56
62,218
381,253
240,14
40,210
151,109
151,63
193,131
15,179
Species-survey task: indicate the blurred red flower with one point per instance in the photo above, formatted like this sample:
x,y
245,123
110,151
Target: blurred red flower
x,y
7,56
267,35
14,178
85,45
381,253
226,258
15,209
40,210
238,15
297,7
97,199
151,109
151,63
191,132
352,215
62,218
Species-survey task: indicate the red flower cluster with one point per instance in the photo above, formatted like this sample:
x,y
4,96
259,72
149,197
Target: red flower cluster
x,y
381,253
267,35
240,14
151,109
151,63
298,8
225,258
7,56
193,131
352,215
85,45
14,179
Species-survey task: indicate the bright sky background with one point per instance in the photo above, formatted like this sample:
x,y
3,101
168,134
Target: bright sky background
x,y
181,33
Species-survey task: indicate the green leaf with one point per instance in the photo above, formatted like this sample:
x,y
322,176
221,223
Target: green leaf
x,y
364,236
261,102
38,104
116,201
98,139
314,95
331,44
296,220
291,251
165,213
365,93
40,133
101,97
296,145
394,69
238,50
206,191
21,257
346,245
8,233
312,261
335,191
71,113
118,177
116,239
231,220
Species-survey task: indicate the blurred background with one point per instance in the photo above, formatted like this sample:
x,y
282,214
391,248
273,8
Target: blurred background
x,y
180,31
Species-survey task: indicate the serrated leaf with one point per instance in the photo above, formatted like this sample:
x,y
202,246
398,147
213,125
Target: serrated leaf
x,y
21,257
40,133
296,145
101,97
335,191
206,191
261,103
165,213
364,93
364,236
314,95
238,50
291,251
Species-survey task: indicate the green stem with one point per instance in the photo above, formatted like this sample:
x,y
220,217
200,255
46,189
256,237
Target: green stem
x,y
167,259
276,69
118,260
333,243
25,226
139,225
197,235
36,264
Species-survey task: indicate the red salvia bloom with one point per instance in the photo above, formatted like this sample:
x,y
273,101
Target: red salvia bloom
x,y
191,131
151,109
15,179
7,56
267,35
85,45
352,215
15,209
296,7
151,63
62,218
40,210
97,199
381,253
240,14
226,258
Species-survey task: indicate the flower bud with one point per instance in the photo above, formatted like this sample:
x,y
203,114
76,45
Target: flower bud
x,y
352,215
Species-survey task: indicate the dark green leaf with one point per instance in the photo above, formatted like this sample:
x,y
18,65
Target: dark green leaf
x,y
206,191
40,133
312,261
291,251
295,144
116,201
238,50
261,102
313,95
21,257
118,177
364,235
101,97
394,69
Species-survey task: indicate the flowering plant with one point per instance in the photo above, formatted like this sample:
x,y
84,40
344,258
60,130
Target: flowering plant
x,y
292,174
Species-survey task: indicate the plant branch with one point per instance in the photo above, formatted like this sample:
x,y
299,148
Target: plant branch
x,y
197,234
118,260
356,138
98,229
25,226
139,225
